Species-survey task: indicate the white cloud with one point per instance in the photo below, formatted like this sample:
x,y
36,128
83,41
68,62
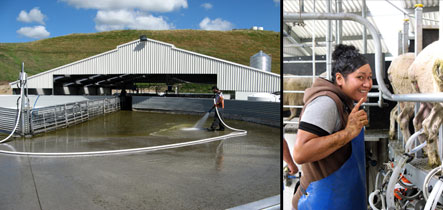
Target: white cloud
x,y
126,19
147,5
36,32
35,15
207,6
217,24
277,1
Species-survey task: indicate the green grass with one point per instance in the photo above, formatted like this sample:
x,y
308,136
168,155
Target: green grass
x,y
236,46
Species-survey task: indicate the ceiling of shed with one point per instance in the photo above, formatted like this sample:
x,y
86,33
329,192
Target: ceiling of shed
x,y
386,16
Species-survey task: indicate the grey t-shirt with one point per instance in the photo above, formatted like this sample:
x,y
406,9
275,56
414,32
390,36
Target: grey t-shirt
x,y
321,114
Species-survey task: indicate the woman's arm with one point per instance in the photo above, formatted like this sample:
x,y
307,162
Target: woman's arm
x,y
310,147
288,159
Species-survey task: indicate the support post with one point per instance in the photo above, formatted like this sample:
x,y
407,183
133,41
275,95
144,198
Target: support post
x,y
418,29
365,41
23,80
405,36
400,43
329,41
313,49
66,117
440,22
339,23
55,118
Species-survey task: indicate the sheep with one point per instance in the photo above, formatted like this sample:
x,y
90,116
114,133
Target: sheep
x,y
401,84
297,83
426,75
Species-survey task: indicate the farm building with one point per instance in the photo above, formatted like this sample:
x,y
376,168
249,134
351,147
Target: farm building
x,y
147,60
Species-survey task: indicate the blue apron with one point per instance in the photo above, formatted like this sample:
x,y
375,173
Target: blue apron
x,y
343,189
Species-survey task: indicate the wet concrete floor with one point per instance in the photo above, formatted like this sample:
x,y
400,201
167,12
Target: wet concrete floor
x,y
216,175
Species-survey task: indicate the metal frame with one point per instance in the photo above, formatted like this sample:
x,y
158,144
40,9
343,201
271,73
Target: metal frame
x,y
291,17
415,97
53,117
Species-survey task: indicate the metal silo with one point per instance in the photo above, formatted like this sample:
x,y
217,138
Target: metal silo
x,y
261,61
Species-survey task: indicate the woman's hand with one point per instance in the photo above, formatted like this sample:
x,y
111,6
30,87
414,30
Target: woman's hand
x,y
356,120
292,168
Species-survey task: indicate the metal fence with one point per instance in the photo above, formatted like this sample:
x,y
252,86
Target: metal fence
x,y
8,119
53,117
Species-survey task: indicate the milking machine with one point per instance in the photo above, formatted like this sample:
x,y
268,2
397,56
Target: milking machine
x,y
399,192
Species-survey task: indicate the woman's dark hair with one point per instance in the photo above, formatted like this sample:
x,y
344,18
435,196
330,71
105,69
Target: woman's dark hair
x,y
347,59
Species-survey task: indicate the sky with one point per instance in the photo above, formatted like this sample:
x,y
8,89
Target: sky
x,y
29,20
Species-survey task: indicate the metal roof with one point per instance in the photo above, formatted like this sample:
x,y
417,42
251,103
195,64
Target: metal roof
x,y
300,33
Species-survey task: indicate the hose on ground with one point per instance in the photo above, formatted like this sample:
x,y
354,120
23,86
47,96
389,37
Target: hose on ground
x,y
221,120
124,151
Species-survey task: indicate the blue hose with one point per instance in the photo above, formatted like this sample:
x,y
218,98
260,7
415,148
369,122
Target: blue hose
x,y
35,101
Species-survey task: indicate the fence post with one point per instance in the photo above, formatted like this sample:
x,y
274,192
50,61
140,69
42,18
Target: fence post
x,y
44,121
55,118
30,122
73,112
66,117
87,108
81,112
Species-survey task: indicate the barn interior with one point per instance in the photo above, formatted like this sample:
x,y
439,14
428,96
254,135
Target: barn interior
x,y
311,30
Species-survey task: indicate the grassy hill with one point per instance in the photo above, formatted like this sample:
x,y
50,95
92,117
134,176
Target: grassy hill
x,y
236,46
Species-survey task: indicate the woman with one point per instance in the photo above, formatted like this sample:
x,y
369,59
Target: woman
x,y
330,138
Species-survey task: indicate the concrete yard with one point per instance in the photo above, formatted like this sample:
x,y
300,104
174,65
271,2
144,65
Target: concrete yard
x,y
216,175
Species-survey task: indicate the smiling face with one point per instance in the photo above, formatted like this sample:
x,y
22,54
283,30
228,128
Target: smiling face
x,y
357,84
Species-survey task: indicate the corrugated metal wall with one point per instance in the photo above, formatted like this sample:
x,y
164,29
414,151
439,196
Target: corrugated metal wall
x,y
154,57
267,113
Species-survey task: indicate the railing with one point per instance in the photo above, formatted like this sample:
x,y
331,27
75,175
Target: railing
x,y
300,106
53,117
46,119
7,120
